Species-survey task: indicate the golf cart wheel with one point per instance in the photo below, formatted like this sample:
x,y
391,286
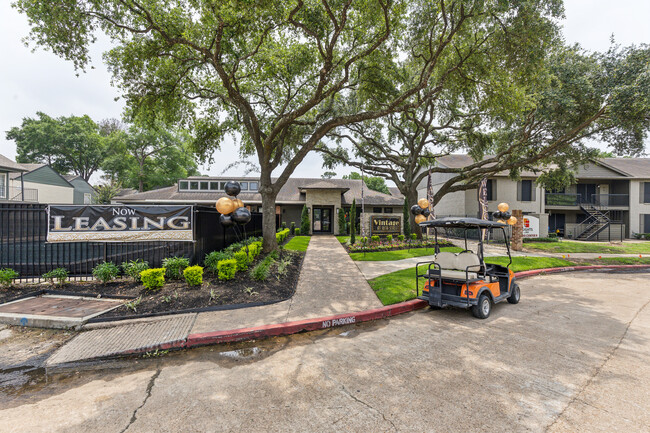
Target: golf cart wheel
x,y
483,308
515,294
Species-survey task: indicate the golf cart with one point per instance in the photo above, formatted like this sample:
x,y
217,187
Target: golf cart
x,y
464,280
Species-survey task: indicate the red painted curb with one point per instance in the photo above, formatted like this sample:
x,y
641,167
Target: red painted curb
x,y
302,325
287,328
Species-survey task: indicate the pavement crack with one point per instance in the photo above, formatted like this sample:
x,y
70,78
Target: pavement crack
x,y
150,386
596,372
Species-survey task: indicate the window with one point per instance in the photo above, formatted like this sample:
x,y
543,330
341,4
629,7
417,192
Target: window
x,y
388,210
645,223
88,198
214,186
491,190
183,185
645,191
253,186
526,191
194,185
244,186
3,185
376,210
204,186
222,186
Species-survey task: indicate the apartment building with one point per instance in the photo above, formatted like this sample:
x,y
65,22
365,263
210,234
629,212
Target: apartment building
x,y
610,200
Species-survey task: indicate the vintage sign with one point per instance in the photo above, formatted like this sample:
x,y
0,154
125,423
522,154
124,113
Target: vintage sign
x,y
383,226
119,223
531,226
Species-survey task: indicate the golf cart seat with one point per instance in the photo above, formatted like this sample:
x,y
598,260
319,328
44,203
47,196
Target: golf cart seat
x,y
454,266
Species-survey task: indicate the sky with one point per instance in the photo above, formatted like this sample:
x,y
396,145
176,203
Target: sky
x,y
32,81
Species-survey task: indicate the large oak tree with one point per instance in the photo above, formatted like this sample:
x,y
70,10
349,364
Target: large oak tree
x,y
277,74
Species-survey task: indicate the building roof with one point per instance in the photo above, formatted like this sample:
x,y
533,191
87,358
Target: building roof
x,y
462,160
291,192
634,167
10,165
395,192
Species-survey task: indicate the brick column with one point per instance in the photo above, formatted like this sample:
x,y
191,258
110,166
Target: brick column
x,y
517,241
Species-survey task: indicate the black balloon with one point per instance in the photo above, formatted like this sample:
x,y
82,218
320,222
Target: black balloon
x,y
226,220
496,215
241,216
426,212
505,215
416,209
232,188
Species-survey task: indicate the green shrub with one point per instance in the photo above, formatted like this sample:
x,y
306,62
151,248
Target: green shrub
x,y
106,272
293,228
304,221
548,239
253,251
364,240
58,274
414,236
281,235
400,238
7,277
153,279
175,266
263,269
389,238
226,269
215,257
297,231
242,260
284,225
134,268
193,275
374,239
353,222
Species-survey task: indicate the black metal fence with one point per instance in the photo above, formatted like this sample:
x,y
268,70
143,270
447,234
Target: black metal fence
x,y
23,246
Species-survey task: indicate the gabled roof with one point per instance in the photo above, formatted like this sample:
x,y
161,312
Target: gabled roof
x,y
10,165
633,167
462,160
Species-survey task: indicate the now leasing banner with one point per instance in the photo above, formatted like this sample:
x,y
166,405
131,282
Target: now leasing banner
x,y
119,223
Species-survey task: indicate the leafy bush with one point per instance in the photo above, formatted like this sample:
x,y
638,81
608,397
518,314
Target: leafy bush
x,y
364,240
253,251
175,266
296,231
400,238
374,239
293,228
58,274
304,221
263,269
548,239
7,276
193,275
106,272
226,269
645,236
242,260
389,238
552,235
282,235
212,259
153,279
284,225
134,268
414,236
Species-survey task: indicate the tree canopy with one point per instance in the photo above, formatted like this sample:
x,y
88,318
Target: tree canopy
x,y
375,183
68,144
281,75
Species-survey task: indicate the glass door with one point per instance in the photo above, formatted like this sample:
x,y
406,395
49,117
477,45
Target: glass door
x,y
322,220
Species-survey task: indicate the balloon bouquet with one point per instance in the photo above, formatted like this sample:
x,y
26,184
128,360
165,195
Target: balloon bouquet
x,y
503,216
421,210
232,209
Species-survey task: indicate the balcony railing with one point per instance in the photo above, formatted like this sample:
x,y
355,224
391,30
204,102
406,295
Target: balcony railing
x,y
16,194
598,200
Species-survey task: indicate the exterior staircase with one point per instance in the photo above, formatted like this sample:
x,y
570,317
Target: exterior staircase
x,y
596,222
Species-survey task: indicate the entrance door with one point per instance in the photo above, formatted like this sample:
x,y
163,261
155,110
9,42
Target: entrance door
x,y
322,220
587,192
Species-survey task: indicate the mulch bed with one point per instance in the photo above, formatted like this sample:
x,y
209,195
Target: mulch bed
x,y
177,295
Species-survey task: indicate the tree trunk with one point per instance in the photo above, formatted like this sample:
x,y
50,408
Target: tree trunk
x,y
411,195
269,242
141,177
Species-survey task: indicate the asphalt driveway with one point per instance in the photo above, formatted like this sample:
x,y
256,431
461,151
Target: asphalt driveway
x,y
573,355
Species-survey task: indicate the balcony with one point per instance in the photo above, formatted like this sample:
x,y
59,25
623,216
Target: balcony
x,y
597,200
16,194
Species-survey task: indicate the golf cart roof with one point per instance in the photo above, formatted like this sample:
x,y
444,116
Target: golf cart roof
x,y
455,222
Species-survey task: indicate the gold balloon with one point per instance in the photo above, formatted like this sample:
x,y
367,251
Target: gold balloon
x,y
225,205
503,207
512,221
237,203
423,203
501,221
420,219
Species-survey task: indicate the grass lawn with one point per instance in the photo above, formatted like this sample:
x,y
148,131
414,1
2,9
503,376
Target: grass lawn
x,y
400,286
297,243
343,239
589,247
619,261
399,254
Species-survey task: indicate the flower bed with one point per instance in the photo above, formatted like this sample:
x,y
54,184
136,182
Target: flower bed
x,y
385,245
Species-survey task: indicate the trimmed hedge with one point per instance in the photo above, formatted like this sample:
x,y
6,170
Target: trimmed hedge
x,y
193,275
153,279
226,269
281,235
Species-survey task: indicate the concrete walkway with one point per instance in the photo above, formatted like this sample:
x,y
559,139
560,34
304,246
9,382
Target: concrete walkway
x,y
329,283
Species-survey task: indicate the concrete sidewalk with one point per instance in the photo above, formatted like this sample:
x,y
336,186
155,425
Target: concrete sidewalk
x,y
329,284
